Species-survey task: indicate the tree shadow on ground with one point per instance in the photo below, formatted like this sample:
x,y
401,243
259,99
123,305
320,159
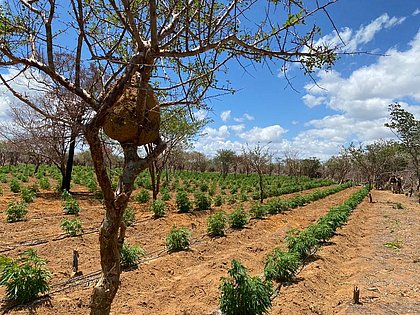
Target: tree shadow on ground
x,y
30,307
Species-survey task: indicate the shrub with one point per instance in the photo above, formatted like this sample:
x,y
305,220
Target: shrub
x,y
238,218
142,196
231,200
166,195
72,227
178,239
129,216
242,294
130,255
158,208
25,277
204,187
15,186
303,243
71,206
216,224
27,195
3,178
202,201
183,203
281,266
259,211
44,183
16,211
65,195
218,201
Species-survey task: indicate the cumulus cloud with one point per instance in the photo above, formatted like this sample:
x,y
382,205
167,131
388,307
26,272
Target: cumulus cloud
x,y
244,117
416,12
225,116
267,134
352,40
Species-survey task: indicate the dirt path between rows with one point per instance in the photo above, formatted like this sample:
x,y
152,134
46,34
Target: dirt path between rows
x,y
378,251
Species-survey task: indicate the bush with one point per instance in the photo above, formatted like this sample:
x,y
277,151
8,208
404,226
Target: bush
x,y
129,216
281,266
71,206
216,224
28,195
65,195
44,183
158,208
15,186
202,201
166,195
183,203
178,239
3,178
72,227
130,255
238,218
25,277
303,243
16,211
142,196
218,201
242,294
259,211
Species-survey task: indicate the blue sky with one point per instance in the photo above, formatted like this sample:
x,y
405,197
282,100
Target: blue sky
x,y
352,104
348,104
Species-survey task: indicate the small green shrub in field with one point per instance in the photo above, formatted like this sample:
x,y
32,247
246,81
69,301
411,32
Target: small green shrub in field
x,y
281,266
34,187
130,255
231,200
3,178
158,208
166,196
16,211
216,224
15,186
25,277
72,227
259,211
44,183
142,196
1,191
243,197
204,187
71,206
322,231
238,218
178,239
27,195
218,201
129,216
65,195
242,294
212,190
303,243
183,203
202,201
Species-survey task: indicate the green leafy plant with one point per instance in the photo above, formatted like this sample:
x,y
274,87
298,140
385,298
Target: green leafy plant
x,y
281,266
15,186
238,218
178,239
142,196
44,183
166,196
259,211
28,195
398,205
24,278
242,294
72,227
65,195
16,211
130,255
129,216
396,244
218,201
183,203
216,224
71,206
158,208
202,201
303,243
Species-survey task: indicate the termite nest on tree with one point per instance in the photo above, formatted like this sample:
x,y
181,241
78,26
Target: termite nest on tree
x,y
135,118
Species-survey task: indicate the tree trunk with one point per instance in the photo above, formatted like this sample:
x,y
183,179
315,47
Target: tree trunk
x,y
65,184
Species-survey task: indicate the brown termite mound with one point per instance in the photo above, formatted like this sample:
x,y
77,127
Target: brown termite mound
x,y
135,118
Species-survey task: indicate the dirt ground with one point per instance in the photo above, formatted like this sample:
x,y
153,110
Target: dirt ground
x,y
378,251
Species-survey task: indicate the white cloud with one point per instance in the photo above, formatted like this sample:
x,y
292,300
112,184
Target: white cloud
x,y
353,40
219,134
267,134
416,12
244,117
225,115
201,114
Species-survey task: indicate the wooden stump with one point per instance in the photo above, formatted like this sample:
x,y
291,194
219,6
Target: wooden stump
x,y
356,295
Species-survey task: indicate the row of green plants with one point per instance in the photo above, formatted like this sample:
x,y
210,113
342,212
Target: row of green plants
x,y
241,293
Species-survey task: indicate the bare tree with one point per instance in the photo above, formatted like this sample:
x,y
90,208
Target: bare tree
x,y
145,55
